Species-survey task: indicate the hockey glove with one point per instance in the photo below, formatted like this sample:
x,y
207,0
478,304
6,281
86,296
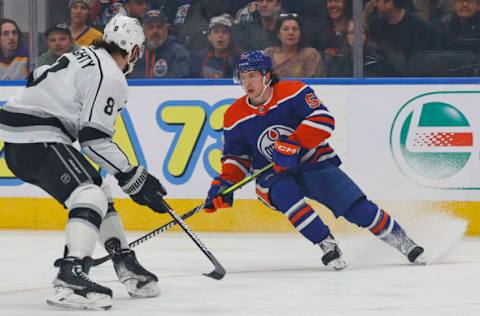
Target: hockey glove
x,y
286,154
214,198
143,188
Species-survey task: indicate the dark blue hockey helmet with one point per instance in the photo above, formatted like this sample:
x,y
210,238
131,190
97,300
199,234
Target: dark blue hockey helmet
x,y
251,61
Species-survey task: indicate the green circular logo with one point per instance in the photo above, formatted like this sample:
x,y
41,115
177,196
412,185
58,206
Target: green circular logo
x,y
431,141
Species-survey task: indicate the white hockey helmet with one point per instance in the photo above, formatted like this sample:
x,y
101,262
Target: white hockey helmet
x,y
127,33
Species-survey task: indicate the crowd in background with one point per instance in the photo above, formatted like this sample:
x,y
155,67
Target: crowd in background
x,y
304,38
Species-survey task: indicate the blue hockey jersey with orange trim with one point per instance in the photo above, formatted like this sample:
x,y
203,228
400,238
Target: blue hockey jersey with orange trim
x,y
250,131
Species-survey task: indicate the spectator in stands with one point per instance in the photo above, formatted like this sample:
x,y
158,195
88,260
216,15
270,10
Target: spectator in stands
x,y
13,54
191,19
332,30
246,13
292,58
82,33
260,32
245,9
464,22
237,5
375,63
219,59
164,57
105,10
136,8
433,10
59,41
396,29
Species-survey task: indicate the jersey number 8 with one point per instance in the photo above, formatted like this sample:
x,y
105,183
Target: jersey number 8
x,y
109,107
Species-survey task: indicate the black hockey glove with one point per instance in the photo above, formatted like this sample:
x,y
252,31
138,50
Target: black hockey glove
x,y
143,188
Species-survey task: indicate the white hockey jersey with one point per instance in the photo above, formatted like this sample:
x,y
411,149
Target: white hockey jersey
x,y
77,98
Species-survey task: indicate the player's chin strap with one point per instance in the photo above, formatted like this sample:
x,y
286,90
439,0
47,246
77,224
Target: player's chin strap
x,y
266,84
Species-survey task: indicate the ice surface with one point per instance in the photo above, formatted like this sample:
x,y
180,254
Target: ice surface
x,y
267,274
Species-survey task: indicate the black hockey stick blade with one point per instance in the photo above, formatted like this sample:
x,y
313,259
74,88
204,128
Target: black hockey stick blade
x,y
219,271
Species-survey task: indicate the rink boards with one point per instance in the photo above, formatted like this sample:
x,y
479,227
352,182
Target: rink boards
x,y
412,145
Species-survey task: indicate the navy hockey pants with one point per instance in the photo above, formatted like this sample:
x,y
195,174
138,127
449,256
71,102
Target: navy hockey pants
x,y
325,183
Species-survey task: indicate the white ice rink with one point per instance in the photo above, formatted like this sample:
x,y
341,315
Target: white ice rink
x,y
267,274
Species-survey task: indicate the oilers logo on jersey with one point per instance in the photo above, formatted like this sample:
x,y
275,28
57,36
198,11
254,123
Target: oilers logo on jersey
x,y
268,137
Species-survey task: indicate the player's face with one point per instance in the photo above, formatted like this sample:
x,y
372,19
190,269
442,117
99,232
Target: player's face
x,y
155,33
9,37
252,83
137,8
59,43
466,8
289,33
268,8
219,37
335,8
79,13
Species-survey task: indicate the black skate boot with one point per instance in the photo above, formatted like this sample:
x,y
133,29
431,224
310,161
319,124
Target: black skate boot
x,y
74,289
332,254
416,255
138,281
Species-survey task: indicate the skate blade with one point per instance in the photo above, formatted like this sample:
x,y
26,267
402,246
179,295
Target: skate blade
x,y
421,260
66,298
337,264
148,290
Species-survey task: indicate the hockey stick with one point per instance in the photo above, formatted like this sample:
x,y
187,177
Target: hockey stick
x,y
219,272
190,213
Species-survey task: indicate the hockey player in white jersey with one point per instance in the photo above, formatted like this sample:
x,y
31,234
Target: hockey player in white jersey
x,y
78,99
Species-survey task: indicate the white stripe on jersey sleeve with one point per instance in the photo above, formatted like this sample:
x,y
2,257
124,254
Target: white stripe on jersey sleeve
x,y
318,126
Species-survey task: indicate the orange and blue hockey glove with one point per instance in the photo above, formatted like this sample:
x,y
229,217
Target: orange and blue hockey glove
x,y
286,154
214,198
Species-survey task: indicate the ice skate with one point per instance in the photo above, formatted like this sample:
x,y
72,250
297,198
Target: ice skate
x,y
138,281
414,253
73,288
332,254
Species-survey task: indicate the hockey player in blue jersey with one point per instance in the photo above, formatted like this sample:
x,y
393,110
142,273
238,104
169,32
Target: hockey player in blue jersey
x,y
285,123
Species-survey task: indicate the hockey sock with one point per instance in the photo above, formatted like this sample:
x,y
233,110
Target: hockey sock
x,y
288,197
368,215
307,222
81,234
384,225
112,227
88,204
